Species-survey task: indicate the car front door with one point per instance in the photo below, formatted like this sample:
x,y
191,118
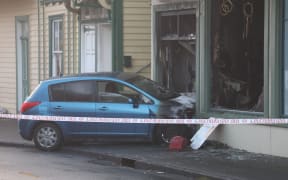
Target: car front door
x,y
116,100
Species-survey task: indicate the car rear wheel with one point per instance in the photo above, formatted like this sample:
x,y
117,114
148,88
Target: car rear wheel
x,y
47,137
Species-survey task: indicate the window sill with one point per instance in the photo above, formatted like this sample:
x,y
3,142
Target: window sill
x,y
233,114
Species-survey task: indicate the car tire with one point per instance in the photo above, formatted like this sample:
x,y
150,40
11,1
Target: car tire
x,y
164,133
47,137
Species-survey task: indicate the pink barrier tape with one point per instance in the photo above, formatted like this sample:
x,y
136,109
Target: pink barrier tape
x,y
146,121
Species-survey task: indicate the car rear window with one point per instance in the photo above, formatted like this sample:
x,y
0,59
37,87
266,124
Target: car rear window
x,y
76,91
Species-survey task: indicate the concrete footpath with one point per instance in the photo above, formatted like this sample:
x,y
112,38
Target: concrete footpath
x,y
213,161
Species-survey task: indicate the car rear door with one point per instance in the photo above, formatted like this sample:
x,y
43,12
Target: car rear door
x,y
76,98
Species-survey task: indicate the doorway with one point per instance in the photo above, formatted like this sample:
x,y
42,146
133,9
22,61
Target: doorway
x,y
22,57
88,44
96,47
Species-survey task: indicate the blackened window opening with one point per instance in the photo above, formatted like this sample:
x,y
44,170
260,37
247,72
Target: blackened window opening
x,y
237,62
176,37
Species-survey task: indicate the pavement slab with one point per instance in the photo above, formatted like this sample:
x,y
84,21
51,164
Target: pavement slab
x,y
210,161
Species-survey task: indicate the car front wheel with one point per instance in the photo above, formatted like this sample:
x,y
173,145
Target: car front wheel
x,y
47,137
164,133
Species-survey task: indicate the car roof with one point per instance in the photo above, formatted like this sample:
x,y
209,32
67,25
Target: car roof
x,y
117,75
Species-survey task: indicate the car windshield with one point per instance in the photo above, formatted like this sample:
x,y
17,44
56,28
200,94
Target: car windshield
x,y
153,88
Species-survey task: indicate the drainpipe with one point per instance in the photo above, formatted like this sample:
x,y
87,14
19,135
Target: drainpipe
x,y
44,47
39,36
69,7
69,36
74,36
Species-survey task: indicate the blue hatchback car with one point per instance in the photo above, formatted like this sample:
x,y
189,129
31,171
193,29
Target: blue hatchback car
x,y
118,95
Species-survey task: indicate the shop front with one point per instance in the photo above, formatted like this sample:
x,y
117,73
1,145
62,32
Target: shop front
x,y
235,54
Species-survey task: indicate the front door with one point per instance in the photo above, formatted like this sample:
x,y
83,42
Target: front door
x,y
88,57
22,49
96,47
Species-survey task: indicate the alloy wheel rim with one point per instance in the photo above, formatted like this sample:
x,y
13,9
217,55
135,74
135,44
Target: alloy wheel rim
x,y
47,137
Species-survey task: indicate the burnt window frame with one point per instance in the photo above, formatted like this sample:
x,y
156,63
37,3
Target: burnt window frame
x,y
273,101
237,57
175,6
273,72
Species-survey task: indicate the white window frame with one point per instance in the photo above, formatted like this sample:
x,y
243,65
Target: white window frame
x,y
56,56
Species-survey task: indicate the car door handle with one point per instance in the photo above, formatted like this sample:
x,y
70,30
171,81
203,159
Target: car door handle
x,y
103,108
58,107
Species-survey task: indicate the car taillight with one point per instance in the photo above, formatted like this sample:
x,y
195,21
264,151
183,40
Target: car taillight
x,y
28,105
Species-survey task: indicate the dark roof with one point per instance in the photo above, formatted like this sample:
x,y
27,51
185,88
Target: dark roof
x,y
119,75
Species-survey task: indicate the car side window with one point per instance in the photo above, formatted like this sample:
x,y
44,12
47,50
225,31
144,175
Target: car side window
x,y
57,92
113,92
78,91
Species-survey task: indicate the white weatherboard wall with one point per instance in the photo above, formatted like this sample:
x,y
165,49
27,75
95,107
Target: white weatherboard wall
x,y
264,139
38,45
70,39
137,34
8,11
